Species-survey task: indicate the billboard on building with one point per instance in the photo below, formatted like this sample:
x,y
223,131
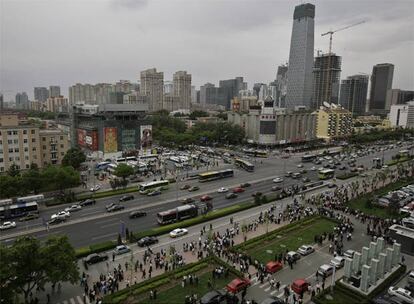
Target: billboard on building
x,y
128,139
88,139
110,140
81,137
146,137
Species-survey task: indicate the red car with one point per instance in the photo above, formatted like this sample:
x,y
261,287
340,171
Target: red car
x,y
238,190
205,198
299,286
273,266
238,285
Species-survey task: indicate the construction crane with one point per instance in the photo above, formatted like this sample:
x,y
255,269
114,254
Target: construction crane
x,y
330,33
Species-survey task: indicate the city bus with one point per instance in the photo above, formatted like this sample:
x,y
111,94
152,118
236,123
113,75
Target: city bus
x,y
177,214
256,153
213,175
308,158
244,164
101,166
326,173
11,210
31,198
144,188
148,157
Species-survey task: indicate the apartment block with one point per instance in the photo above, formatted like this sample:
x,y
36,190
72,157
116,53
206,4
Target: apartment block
x,y
334,122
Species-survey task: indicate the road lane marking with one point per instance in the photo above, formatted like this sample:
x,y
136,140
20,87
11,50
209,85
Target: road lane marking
x,y
72,301
104,236
107,221
80,301
110,225
263,285
93,212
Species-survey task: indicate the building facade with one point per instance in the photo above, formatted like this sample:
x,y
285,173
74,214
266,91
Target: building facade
x,y
172,103
228,89
353,96
82,93
182,89
397,96
57,104
333,123
326,78
300,81
22,101
41,94
54,144
152,86
402,115
381,82
54,91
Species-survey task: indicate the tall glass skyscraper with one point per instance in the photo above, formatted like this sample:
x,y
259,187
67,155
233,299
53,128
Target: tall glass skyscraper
x,y
300,77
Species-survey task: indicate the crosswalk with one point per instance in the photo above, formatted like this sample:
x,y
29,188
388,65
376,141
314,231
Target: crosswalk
x,y
267,288
75,300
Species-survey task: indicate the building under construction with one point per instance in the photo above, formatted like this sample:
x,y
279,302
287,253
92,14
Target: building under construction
x,y
326,79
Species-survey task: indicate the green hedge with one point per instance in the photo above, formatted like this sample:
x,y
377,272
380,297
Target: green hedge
x,y
95,248
346,175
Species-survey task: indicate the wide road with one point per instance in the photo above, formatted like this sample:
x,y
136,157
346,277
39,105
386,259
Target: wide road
x,y
92,224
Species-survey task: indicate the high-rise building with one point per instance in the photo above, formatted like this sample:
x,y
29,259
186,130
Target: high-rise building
x,y
57,104
1,102
41,94
353,96
103,92
381,82
205,92
193,94
228,89
182,89
22,101
397,96
152,85
54,91
402,115
168,87
326,78
281,86
300,81
82,93
333,122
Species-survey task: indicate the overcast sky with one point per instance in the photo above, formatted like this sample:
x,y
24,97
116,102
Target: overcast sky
x,y
47,42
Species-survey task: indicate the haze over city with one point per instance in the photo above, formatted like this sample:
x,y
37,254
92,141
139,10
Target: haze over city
x,y
65,42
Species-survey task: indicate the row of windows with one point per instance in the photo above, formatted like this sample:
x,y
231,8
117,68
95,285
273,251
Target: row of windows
x,y
17,158
16,141
52,138
15,132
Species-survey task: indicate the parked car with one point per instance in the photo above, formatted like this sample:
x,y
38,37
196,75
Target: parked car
x,y
121,249
8,225
187,200
125,198
231,195
245,185
300,166
273,266
237,285
95,258
410,277
305,249
178,232
75,207
401,293
28,217
238,190
299,286
146,241
193,188
136,214
349,253
87,202
223,190
206,198
62,214
325,270
288,173
115,208
214,297
338,262
294,256
278,180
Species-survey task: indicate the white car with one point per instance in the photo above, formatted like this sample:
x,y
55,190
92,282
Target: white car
x,y
325,270
121,249
62,214
300,166
95,188
8,225
178,232
349,253
222,190
278,180
72,208
401,293
313,168
306,249
338,262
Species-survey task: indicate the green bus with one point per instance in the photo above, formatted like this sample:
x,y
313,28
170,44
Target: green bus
x,y
145,188
213,175
326,174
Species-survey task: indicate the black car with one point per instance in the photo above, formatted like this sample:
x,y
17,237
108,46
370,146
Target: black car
x,y
146,241
136,214
87,202
231,195
56,220
115,208
257,193
126,198
188,200
95,258
214,297
245,185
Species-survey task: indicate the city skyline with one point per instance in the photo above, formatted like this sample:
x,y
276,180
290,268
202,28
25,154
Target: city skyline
x,y
173,43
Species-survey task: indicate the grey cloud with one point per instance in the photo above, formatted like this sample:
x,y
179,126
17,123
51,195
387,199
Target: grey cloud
x,y
129,4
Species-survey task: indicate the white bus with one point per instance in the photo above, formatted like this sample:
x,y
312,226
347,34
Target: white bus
x,y
31,198
144,188
149,157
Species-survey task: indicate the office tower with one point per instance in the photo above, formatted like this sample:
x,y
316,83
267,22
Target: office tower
x,y
281,86
152,85
22,101
193,94
326,77
54,91
182,88
397,96
228,89
381,82
205,93
82,93
300,81
41,94
263,91
353,96
125,86
102,92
